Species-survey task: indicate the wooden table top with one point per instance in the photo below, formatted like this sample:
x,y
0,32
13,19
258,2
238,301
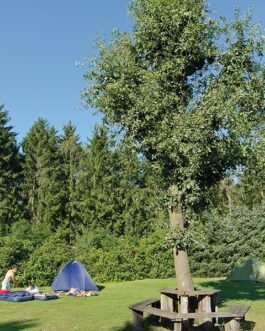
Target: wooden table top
x,y
195,292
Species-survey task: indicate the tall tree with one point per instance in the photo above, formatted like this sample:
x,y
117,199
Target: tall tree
x,y
71,151
42,185
136,192
95,180
112,188
187,103
9,173
223,196
252,179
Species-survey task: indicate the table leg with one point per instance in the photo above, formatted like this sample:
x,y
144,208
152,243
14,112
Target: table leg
x,y
233,325
137,319
215,303
215,306
184,308
167,303
204,306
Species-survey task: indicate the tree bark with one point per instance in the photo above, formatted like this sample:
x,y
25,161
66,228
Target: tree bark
x,y
229,203
181,259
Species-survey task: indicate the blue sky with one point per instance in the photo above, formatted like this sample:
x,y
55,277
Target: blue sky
x,y
41,43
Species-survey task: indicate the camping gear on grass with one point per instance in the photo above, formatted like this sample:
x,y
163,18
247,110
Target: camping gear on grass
x,y
45,296
73,275
21,296
18,296
249,269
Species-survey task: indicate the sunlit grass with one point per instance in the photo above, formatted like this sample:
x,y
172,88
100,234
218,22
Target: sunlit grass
x,y
109,310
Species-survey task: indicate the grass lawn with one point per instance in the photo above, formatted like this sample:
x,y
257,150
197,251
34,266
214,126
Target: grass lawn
x,y
108,310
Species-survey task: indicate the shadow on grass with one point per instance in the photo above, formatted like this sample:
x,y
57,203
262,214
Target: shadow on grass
x,y
100,287
231,290
150,322
18,325
148,325
238,290
248,325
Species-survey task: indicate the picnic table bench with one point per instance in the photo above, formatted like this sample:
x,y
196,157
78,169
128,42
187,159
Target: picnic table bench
x,y
230,319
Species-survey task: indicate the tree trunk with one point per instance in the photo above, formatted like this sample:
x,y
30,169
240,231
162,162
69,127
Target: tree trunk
x,y
229,203
181,259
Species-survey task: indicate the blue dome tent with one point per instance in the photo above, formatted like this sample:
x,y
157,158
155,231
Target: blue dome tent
x,y
75,275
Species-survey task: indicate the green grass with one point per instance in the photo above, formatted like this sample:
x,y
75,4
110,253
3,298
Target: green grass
x,y
108,310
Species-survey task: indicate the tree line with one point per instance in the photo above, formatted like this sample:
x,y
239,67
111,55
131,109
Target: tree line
x,y
55,181
103,202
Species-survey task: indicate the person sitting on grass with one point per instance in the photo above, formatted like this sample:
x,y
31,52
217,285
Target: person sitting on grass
x,y
32,289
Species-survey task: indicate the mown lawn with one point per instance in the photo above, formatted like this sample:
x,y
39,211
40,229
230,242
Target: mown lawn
x,y
108,310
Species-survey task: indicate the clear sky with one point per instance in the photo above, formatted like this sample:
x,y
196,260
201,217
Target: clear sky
x,y
42,41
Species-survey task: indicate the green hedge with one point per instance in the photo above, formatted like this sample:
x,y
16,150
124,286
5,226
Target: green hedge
x,y
127,258
219,243
13,252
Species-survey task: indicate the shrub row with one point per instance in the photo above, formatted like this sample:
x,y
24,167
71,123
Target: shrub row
x,y
220,244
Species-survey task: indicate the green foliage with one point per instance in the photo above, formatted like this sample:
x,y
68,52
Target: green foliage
x,y
36,233
186,91
182,240
216,245
13,252
105,256
252,178
96,182
228,240
115,189
10,202
124,258
21,230
45,261
185,96
42,183
154,259
40,232
71,151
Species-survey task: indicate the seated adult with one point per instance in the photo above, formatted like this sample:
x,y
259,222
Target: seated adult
x,y
32,289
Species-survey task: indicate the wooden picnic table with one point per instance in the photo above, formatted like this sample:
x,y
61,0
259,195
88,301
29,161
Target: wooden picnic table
x,y
201,301
229,320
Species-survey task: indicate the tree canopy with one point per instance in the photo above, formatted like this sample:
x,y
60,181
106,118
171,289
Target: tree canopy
x,y
185,89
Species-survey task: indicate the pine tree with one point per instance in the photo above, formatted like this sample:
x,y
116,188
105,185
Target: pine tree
x,y
115,188
42,185
71,152
10,210
95,182
252,179
136,194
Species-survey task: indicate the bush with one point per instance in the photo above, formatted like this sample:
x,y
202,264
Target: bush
x,y
13,252
125,258
21,230
217,244
45,261
228,240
